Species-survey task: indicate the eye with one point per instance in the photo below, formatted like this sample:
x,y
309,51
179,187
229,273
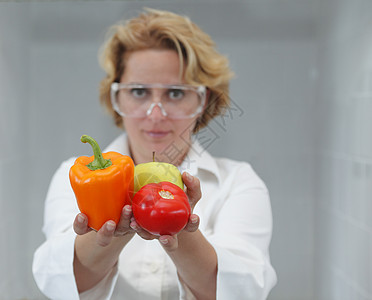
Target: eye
x,y
176,94
138,92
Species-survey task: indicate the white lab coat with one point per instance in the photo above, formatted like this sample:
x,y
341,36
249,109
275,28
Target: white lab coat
x,y
235,217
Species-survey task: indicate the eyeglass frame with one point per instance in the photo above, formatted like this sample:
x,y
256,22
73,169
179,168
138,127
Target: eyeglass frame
x,y
200,89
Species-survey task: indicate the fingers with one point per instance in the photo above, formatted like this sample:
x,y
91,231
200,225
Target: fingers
x,y
141,232
193,188
106,233
109,230
123,226
193,223
169,242
81,224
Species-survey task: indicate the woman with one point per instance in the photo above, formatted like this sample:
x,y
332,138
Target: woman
x,y
165,81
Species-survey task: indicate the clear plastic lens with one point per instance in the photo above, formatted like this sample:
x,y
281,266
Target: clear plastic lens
x,y
176,94
137,93
134,100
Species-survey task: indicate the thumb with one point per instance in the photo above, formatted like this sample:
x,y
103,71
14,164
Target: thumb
x,y
193,190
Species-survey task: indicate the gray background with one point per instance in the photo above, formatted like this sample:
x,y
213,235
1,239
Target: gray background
x,y
301,116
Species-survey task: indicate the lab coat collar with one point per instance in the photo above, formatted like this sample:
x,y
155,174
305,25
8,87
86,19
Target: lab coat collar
x,y
199,159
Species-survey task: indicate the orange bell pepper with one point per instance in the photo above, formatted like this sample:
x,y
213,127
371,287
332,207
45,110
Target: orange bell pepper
x,y
102,183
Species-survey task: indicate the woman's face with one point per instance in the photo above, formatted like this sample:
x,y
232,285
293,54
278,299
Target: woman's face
x,y
169,138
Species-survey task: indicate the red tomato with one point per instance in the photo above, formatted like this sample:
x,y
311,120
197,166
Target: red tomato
x,y
161,208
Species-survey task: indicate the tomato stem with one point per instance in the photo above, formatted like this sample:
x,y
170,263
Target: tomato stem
x,y
98,162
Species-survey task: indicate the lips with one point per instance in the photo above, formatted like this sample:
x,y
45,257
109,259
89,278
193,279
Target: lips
x,y
157,133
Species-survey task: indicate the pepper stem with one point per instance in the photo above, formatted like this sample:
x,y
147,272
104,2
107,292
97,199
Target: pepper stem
x,y
99,162
153,156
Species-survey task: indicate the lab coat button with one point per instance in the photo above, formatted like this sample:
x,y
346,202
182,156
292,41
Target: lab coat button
x,y
153,267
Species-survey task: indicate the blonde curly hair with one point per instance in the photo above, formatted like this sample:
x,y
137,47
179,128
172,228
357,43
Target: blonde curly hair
x,y
200,62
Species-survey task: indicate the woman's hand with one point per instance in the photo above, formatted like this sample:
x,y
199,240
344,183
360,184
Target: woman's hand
x,y
170,242
109,229
96,253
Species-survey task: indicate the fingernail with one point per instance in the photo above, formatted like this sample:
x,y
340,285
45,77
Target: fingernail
x,y
164,241
80,219
194,220
110,226
127,209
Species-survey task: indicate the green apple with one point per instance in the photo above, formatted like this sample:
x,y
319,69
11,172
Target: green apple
x,y
155,172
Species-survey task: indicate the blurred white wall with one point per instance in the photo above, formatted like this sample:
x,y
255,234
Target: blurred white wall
x,y
343,206
15,250
301,106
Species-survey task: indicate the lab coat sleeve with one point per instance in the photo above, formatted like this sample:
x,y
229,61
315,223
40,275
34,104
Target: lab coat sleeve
x,y
241,236
53,260
53,269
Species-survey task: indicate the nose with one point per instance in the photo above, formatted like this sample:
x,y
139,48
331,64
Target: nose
x,y
156,111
